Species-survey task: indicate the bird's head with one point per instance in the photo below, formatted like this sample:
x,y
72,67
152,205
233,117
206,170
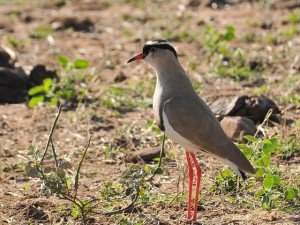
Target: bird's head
x,y
155,52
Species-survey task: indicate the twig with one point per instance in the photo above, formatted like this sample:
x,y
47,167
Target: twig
x,y
161,154
264,121
50,134
173,199
79,167
54,153
120,210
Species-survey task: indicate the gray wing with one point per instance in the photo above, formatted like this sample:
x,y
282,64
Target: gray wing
x,y
192,119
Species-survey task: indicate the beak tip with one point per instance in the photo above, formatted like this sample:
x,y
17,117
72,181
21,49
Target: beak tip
x,y
138,57
131,60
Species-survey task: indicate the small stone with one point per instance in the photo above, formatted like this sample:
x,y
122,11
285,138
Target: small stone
x,y
146,154
237,127
267,25
120,77
13,85
39,73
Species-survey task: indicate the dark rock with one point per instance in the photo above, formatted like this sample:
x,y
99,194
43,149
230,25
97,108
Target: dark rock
x,y
26,18
120,77
13,85
6,60
254,108
288,4
266,25
193,3
39,73
255,65
237,127
260,107
219,4
85,25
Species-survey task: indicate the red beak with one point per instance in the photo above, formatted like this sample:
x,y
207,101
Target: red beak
x,y
139,56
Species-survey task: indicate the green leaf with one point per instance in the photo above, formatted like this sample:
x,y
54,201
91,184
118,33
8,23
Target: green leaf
x,y
259,193
270,145
266,202
289,194
41,32
68,94
159,171
251,138
266,161
268,181
34,101
260,172
60,173
277,180
81,64
64,61
53,101
147,169
33,150
31,171
36,90
47,82
74,213
259,163
248,151
229,35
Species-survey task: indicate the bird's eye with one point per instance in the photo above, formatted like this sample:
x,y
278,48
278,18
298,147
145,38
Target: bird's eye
x,y
153,49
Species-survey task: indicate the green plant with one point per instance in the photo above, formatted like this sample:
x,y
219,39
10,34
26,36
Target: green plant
x,y
275,188
41,32
69,89
67,65
14,15
250,38
295,99
61,181
233,65
294,18
216,43
225,182
226,62
45,93
17,43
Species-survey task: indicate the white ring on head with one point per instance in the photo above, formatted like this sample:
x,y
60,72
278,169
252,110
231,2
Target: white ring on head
x,y
158,43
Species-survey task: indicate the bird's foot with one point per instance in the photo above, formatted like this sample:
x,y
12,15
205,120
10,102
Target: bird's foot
x,y
191,220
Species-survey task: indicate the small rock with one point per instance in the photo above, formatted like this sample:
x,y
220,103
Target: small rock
x,y
146,154
237,127
254,108
266,25
120,77
85,25
26,18
193,3
254,64
39,73
260,107
7,57
13,85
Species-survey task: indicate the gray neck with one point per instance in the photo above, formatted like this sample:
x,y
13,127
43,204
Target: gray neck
x,y
171,82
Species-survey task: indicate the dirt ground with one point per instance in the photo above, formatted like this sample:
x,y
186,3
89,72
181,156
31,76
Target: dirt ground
x,y
119,30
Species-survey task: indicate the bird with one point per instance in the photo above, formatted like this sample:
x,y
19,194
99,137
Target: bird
x,y
186,119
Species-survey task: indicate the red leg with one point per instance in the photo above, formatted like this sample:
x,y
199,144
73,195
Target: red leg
x,y
199,174
190,191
